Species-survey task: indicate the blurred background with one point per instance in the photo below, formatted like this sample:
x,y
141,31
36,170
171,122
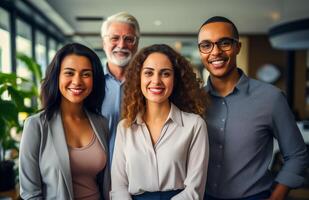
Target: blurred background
x,y
274,36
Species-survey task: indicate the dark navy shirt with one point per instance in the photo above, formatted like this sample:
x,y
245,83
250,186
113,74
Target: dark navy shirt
x,y
241,128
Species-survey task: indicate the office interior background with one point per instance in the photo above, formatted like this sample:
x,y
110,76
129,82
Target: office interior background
x,y
274,34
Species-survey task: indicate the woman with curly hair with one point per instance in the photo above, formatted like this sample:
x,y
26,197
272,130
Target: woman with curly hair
x,y
161,150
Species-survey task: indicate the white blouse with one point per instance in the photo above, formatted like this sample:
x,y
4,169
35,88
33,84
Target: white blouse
x,y
178,160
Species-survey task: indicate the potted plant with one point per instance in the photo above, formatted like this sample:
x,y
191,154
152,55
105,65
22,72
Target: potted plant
x,y
14,92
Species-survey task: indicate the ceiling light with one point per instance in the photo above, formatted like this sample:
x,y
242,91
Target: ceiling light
x,y
291,35
157,22
275,16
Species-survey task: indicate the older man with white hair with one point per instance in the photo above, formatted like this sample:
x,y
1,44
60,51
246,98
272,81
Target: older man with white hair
x,y
120,34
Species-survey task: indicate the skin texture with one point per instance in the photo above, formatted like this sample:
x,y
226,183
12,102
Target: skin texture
x,y
220,64
223,72
75,84
119,54
187,92
157,78
75,79
157,82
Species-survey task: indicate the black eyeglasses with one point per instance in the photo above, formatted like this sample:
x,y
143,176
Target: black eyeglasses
x,y
128,39
224,44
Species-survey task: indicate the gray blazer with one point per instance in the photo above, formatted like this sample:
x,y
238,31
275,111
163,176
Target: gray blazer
x,y
44,170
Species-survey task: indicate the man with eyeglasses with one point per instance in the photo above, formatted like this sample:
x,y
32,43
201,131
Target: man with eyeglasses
x,y
243,118
120,34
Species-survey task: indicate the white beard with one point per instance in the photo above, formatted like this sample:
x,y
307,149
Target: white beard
x,y
122,62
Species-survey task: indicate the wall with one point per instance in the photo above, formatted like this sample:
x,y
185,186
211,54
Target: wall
x,y
260,52
242,58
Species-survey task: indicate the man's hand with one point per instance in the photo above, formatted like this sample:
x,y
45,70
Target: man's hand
x,y
280,192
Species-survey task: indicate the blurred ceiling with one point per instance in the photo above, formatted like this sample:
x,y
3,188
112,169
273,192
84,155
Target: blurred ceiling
x,y
174,22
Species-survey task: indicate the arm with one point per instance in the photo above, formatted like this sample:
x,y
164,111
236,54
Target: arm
x,y
118,171
29,170
197,164
280,192
291,146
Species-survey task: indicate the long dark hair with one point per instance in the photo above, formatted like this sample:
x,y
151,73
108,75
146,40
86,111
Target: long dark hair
x,y
50,93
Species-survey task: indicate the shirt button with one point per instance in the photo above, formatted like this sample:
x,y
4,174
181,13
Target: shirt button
x,y
223,120
223,102
218,165
221,129
215,185
220,146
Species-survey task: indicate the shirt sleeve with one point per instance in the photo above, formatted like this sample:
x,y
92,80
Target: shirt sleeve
x,y
291,144
118,171
29,170
197,164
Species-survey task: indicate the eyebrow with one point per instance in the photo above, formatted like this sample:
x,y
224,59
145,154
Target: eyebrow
x,y
72,69
220,39
150,68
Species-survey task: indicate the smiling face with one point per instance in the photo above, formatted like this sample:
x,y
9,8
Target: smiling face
x,y
120,51
220,64
157,78
75,79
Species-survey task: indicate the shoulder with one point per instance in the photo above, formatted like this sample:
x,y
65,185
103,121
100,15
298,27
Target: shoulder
x,y
122,123
127,131
35,119
122,126
97,118
195,125
192,119
33,128
267,90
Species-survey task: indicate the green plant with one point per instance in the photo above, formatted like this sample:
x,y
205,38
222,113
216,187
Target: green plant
x,y
19,97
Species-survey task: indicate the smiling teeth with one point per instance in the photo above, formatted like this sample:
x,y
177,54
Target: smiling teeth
x,y
217,62
76,91
155,90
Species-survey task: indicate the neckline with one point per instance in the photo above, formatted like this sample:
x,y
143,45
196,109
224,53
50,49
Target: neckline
x,y
86,146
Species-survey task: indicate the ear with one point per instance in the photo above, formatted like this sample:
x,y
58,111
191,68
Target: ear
x,y
103,43
238,47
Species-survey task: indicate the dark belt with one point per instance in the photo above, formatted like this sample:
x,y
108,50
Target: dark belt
x,y
166,195
259,196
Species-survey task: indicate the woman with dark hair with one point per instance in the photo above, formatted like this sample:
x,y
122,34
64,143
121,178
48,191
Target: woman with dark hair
x,y
63,151
161,149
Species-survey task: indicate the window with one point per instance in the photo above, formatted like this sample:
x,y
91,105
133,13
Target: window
x,y
23,45
40,50
52,49
5,46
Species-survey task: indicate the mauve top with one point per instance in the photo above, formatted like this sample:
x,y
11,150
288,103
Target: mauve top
x,y
86,162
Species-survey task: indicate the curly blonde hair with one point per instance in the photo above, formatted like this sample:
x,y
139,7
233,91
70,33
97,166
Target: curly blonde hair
x,y
187,93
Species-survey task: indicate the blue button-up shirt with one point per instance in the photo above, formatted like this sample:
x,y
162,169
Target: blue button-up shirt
x,y
111,107
241,128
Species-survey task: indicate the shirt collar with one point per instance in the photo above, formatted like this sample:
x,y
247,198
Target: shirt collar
x,y
174,115
106,70
242,84
107,74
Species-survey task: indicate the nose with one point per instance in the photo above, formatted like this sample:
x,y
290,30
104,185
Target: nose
x,y
156,78
121,43
76,79
216,50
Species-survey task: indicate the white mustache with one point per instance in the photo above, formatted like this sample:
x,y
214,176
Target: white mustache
x,y
117,49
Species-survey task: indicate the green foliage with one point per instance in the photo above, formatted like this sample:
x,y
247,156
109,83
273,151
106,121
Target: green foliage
x,y
17,90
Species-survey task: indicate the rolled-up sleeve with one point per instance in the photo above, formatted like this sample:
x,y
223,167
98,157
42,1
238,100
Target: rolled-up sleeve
x,y
291,144
197,164
118,172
